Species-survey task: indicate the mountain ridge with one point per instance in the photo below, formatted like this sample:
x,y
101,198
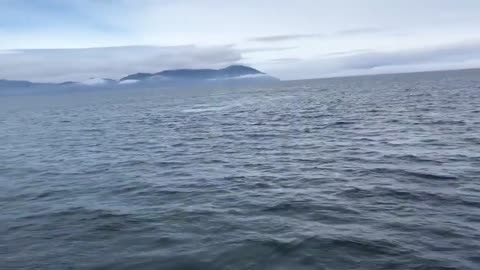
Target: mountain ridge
x,y
197,74
234,73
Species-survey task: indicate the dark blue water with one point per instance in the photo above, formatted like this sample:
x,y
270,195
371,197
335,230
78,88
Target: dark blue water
x,y
378,172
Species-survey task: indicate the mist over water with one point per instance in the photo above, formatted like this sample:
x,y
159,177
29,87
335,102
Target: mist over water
x,y
379,172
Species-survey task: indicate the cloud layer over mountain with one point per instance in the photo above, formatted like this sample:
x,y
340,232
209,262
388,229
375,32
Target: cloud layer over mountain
x,y
47,65
76,39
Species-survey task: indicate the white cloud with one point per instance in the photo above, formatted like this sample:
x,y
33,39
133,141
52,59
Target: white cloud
x,y
446,56
9,51
342,33
307,29
110,62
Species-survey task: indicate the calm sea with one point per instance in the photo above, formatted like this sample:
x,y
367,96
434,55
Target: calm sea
x,y
377,172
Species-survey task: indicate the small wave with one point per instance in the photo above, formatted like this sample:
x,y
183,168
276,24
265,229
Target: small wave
x,y
348,246
50,194
169,163
81,220
415,174
341,123
78,213
431,176
289,206
206,109
448,122
409,195
412,158
93,130
159,262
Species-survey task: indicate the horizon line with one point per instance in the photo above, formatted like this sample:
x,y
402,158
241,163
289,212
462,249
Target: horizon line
x,y
282,80
381,74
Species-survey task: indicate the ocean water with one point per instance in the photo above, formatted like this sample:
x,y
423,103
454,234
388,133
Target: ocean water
x,y
378,172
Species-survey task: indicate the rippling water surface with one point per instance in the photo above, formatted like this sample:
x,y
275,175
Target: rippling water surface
x,y
378,172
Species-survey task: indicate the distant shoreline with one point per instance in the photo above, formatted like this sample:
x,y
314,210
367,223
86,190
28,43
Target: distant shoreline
x,y
384,74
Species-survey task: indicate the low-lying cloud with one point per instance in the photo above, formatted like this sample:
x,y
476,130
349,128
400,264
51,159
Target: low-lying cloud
x,y
266,49
452,53
448,56
279,38
343,33
56,65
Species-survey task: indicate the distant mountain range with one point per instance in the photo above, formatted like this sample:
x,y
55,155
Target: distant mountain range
x,y
231,72
234,74
15,83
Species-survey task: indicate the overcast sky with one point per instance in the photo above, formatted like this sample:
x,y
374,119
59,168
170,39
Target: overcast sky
x,y
58,40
